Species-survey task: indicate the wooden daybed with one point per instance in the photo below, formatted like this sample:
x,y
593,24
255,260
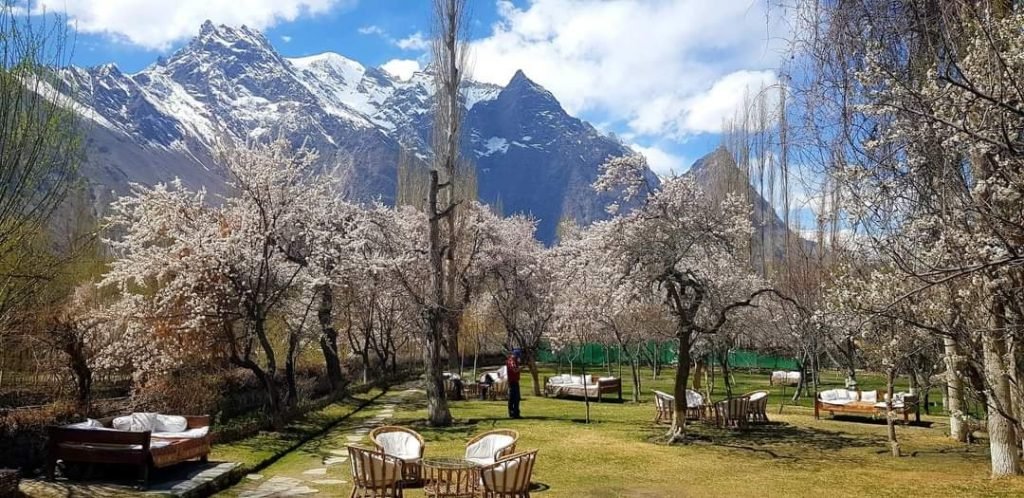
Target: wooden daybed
x,y
565,385
106,445
864,403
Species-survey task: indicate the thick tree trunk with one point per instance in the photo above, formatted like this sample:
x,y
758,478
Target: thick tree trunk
x,y
890,415
955,390
1001,430
678,431
534,373
437,401
329,339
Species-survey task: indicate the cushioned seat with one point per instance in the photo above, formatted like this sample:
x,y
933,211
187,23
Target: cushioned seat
x,y
486,448
402,443
196,433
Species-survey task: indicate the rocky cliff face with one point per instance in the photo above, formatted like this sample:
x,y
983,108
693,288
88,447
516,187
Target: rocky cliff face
x,y
230,85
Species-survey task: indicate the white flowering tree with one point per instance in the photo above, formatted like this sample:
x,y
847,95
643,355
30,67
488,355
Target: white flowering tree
x,y
681,248
927,157
225,270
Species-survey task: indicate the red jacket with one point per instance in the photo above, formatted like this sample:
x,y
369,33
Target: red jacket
x,y
512,367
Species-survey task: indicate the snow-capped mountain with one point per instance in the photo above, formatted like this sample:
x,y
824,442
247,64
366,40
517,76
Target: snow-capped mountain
x,y
229,84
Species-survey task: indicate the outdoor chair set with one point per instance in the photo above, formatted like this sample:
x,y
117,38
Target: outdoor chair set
x,y
490,467
733,413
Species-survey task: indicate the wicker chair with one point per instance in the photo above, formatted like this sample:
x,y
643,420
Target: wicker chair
x,y
694,405
404,444
498,391
509,477
732,412
663,407
487,448
757,412
374,474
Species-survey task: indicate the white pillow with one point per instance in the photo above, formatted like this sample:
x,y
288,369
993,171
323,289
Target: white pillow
x,y
483,451
399,444
89,423
136,422
170,423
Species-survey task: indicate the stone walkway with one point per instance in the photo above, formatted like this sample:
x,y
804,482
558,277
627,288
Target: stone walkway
x,y
318,466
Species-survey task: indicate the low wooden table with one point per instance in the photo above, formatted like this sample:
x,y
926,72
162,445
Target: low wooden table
x,y
450,477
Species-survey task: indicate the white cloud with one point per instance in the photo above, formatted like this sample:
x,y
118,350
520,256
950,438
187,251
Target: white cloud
x,y
372,29
157,24
662,162
286,38
706,111
415,41
402,68
647,62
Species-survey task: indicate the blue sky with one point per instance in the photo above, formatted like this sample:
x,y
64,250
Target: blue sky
x,y
661,74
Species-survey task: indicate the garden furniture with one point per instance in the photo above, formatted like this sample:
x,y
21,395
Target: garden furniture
x,y
498,391
141,439
732,412
486,448
858,402
402,443
579,386
450,477
782,377
758,408
509,477
374,473
663,407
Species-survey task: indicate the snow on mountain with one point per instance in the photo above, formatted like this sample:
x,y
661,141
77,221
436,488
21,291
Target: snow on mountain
x,y
229,85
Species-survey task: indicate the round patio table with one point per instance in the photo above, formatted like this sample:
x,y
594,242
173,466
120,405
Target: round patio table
x,y
450,477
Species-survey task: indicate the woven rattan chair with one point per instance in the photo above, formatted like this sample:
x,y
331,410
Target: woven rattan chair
x,y
694,405
487,448
757,411
732,412
663,407
498,391
509,477
404,444
374,474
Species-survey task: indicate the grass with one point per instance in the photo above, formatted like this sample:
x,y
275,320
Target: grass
x,y
254,451
619,453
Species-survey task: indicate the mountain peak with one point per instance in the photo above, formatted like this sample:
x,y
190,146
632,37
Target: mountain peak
x,y
522,87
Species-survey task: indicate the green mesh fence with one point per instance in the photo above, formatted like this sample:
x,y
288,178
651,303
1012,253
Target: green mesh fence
x,y
598,354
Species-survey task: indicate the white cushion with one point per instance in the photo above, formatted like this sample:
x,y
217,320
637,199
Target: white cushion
x,y
758,395
496,480
869,396
693,399
88,423
170,423
400,444
838,396
195,433
136,422
482,452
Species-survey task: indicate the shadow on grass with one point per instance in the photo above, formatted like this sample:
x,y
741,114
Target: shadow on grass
x,y
879,421
774,439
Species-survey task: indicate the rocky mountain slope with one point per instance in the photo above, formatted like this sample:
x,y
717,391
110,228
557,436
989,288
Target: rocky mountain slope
x,y
230,85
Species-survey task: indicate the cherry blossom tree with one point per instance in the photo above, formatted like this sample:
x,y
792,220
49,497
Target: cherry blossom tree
x,y
681,248
227,268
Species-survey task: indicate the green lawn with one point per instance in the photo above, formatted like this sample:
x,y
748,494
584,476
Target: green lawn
x,y
619,453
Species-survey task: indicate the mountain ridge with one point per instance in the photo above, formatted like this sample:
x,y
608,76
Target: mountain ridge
x,y
229,85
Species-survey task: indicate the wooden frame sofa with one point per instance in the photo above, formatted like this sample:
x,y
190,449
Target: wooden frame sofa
x,y
865,403
97,441
565,385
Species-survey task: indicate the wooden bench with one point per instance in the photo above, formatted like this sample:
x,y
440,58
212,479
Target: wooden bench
x,y
577,390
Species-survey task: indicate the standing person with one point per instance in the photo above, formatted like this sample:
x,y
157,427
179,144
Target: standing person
x,y
512,376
